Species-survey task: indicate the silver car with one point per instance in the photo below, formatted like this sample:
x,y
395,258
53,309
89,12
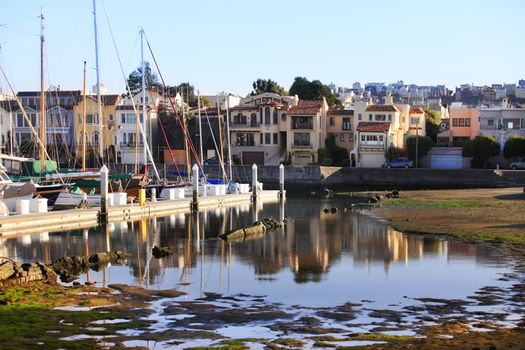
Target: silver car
x,y
520,164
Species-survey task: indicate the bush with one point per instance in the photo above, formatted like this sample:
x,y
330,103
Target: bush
x,y
424,144
392,153
481,149
514,147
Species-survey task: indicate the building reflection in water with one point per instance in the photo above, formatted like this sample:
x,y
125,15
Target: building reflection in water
x,y
310,244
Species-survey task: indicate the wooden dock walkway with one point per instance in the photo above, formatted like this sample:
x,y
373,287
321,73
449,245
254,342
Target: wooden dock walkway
x,y
83,218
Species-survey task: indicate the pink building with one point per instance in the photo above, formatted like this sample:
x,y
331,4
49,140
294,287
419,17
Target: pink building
x,y
464,125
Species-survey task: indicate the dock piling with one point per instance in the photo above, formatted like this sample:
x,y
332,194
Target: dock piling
x,y
281,181
254,182
195,181
104,181
153,195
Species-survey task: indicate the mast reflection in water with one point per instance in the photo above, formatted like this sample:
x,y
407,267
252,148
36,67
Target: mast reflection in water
x,y
318,259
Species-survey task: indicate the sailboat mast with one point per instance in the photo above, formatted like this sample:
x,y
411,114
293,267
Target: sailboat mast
x,y
228,135
42,98
200,125
220,136
84,111
144,112
99,99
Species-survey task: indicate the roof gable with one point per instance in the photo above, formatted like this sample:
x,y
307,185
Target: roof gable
x,y
306,107
373,127
382,108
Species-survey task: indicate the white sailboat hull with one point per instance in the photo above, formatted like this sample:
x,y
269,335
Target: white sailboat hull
x,y
68,200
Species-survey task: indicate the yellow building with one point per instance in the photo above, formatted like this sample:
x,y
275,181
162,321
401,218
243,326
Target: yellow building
x,y
93,134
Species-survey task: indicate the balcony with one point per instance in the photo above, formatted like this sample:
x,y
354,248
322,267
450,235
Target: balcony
x,y
302,145
245,125
370,147
129,144
307,126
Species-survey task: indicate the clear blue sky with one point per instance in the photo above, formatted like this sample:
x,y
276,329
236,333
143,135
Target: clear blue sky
x,y
226,45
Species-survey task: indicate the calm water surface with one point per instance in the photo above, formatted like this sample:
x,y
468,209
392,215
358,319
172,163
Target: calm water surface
x,y
318,259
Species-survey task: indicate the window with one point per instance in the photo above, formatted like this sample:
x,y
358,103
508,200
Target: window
x,y
370,117
359,116
414,120
490,122
350,137
275,119
267,116
342,137
275,138
346,124
332,121
461,121
267,138
261,139
467,121
380,117
239,119
454,121
89,119
111,117
95,138
283,117
302,123
301,139
510,125
390,117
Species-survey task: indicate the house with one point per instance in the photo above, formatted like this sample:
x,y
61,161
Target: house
x,y
339,124
463,125
378,127
502,122
259,128
305,131
93,129
59,121
6,125
127,139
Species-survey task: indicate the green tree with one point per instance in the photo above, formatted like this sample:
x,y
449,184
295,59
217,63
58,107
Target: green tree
x,y
151,79
514,147
481,149
432,123
392,153
423,145
337,155
267,85
314,90
205,101
187,91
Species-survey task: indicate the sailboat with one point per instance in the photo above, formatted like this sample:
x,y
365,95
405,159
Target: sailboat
x,y
88,181
11,192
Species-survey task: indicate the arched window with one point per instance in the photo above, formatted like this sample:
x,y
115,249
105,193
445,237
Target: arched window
x,y
267,115
253,120
95,138
283,117
275,120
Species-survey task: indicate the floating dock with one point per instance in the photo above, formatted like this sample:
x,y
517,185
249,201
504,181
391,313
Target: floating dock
x,y
83,218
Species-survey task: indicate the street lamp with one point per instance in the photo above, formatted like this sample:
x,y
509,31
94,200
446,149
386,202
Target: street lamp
x,y
417,139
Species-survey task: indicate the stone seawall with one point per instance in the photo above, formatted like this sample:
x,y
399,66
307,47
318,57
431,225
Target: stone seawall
x,y
317,177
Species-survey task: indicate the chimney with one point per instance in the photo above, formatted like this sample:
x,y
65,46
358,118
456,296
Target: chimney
x,y
389,100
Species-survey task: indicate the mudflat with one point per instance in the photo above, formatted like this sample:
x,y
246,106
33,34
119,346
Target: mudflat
x,y
473,214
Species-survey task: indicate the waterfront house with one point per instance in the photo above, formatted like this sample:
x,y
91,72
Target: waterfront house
x,y
59,121
464,125
93,135
378,127
339,124
306,131
126,135
259,128
502,122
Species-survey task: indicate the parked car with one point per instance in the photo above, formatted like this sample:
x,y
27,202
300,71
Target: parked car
x,y
399,163
520,164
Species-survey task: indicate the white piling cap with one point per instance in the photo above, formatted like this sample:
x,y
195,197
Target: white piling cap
x,y
195,167
104,169
281,166
254,166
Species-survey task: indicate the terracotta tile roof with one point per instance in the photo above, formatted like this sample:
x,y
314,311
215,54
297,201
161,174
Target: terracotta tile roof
x,y
306,107
382,108
59,93
416,110
373,127
109,100
341,112
244,108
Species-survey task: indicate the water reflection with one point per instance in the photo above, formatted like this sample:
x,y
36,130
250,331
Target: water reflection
x,y
333,255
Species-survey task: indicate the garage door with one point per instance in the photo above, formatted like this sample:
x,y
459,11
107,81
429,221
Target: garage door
x,y
446,161
249,158
372,160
